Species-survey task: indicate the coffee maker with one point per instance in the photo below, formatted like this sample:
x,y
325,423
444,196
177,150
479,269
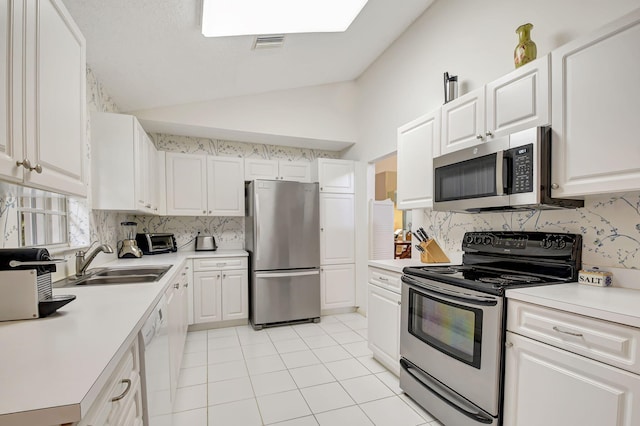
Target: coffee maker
x,y
128,247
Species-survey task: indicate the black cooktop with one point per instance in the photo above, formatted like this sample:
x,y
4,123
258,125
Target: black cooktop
x,y
495,261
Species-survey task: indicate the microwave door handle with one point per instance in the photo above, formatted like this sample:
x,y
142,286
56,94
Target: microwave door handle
x,y
506,175
499,173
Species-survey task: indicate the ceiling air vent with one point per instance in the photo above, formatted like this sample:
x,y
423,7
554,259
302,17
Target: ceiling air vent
x,y
268,41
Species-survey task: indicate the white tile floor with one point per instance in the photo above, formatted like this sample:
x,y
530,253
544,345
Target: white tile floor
x,y
307,374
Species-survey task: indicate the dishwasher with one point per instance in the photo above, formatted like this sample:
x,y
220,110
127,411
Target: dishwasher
x,y
154,356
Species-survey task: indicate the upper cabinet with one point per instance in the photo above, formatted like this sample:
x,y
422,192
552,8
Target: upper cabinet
x,y
125,168
463,121
334,176
515,102
299,171
418,142
200,185
43,113
595,118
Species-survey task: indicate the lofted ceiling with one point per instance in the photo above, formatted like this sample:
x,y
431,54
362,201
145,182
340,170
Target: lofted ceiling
x,y
151,53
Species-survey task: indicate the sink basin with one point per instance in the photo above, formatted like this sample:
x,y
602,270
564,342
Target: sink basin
x,y
118,275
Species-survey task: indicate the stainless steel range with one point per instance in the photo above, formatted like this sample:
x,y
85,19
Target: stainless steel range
x,y
452,337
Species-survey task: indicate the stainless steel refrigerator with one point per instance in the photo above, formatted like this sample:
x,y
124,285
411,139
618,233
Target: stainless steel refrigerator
x,y
282,235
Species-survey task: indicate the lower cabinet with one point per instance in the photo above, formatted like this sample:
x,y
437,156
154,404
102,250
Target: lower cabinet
x,y
220,290
338,286
383,315
563,369
177,308
120,402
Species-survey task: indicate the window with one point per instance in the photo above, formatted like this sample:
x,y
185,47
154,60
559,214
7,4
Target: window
x,y
42,218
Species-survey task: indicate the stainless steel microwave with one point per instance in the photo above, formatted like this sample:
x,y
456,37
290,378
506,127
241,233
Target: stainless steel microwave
x,y
508,173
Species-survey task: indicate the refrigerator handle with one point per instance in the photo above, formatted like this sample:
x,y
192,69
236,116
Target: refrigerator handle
x,y
287,274
257,223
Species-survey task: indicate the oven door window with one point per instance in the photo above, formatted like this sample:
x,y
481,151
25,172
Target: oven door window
x,y
453,329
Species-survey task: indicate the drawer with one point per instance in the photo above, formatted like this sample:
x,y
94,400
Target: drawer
x,y
219,263
608,342
386,279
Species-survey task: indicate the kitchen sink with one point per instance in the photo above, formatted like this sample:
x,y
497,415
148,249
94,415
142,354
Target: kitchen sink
x,y
118,275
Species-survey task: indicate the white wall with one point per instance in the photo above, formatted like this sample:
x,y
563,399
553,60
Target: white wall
x,y
318,117
471,39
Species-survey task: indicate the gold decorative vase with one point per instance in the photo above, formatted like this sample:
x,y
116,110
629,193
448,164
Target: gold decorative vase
x,y
526,49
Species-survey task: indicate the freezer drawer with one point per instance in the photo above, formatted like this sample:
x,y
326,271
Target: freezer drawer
x,y
279,296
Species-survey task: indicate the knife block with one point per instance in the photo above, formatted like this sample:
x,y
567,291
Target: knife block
x,y
432,252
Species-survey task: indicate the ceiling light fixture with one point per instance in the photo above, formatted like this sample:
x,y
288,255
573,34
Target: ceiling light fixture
x,y
221,18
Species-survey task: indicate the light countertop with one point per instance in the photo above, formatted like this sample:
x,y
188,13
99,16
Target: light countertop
x,y
616,304
52,369
397,265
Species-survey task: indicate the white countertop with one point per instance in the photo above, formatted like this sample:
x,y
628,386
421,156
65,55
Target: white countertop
x,y
616,304
397,265
52,369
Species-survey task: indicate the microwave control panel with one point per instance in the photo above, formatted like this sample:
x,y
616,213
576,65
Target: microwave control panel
x,y
521,169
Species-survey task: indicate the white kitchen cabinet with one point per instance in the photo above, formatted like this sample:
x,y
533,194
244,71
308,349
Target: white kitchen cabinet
x,y
463,122
519,100
124,165
43,112
225,186
595,124
550,386
337,286
337,228
186,184
298,171
221,290
119,403
418,143
514,102
590,364
200,185
177,311
334,176
383,314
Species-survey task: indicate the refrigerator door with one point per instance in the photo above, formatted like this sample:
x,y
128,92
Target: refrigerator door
x,y
286,225
279,296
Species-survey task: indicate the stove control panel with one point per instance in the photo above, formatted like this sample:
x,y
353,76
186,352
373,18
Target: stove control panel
x,y
532,244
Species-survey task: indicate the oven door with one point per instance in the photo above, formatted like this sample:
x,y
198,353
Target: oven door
x,y
454,335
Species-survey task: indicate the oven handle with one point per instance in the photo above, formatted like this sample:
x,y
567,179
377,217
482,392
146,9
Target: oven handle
x,y
461,297
447,396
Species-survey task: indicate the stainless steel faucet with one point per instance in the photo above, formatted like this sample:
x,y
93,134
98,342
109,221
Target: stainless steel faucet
x,y
82,263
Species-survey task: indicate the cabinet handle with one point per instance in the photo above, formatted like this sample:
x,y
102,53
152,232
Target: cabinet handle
x,y
570,333
489,133
186,285
480,137
126,391
508,344
209,211
27,165
321,188
555,186
383,279
224,275
204,211
147,206
176,286
399,303
322,229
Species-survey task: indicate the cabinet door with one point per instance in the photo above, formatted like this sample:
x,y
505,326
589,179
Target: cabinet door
x,y
418,142
298,171
549,386
152,177
595,122
383,314
519,100
141,167
225,186
335,176
10,94
207,297
55,101
337,228
260,169
235,295
463,122
338,286
186,184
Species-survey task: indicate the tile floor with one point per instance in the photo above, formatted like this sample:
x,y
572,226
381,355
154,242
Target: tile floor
x,y
307,374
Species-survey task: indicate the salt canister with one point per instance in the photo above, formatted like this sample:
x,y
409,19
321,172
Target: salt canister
x,y
595,277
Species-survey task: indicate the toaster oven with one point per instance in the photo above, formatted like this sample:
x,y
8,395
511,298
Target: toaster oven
x,y
156,243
